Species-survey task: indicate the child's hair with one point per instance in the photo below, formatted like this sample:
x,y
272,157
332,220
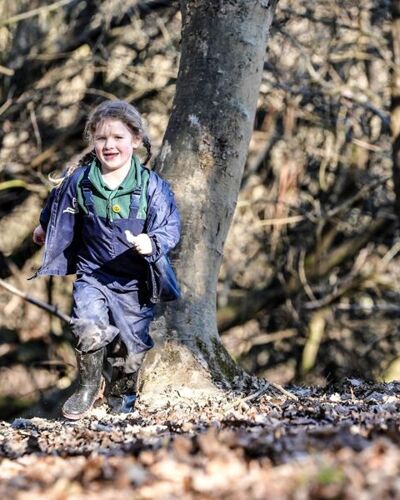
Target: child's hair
x,y
118,110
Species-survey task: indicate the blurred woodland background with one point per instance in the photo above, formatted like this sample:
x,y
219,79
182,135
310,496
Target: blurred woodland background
x,y
308,291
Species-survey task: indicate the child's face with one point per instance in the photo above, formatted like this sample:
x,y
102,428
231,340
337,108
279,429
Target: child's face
x,y
114,144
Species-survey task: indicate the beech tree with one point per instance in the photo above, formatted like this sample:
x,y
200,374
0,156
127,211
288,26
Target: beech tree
x,y
203,156
313,200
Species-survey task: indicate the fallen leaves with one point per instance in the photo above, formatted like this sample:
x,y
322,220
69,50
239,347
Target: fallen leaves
x,y
328,444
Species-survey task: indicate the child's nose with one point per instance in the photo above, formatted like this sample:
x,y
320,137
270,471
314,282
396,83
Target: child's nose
x,y
109,142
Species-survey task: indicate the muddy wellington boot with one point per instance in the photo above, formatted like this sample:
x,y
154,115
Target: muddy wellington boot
x,y
91,385
121,395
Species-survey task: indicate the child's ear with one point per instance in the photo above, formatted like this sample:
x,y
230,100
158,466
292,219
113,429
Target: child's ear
x,y
136,141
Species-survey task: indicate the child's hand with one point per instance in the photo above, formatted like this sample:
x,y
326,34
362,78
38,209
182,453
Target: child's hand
x,y
141,243
39,235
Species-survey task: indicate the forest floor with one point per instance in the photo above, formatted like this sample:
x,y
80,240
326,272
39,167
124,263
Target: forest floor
x,y
341,442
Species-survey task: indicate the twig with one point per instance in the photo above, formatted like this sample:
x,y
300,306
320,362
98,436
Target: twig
x,y
303,277
280,221
261,392
28,298
366,145
267,338
349,282
19,183
283,391
35,125
252,397
390,254
5,106
359,195
6,71
373,308
34,12
101,93
255,395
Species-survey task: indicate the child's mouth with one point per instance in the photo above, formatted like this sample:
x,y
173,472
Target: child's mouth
x,y
110,156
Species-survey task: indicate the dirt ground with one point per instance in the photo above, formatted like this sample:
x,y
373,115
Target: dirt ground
x,y
341,442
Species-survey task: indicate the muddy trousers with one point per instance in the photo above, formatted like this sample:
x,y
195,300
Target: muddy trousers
x,y
102,315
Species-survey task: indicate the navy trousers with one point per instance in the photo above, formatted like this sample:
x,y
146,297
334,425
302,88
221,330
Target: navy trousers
x,y
100,314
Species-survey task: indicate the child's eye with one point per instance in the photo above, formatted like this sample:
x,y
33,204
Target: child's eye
x,y
119,137
100,138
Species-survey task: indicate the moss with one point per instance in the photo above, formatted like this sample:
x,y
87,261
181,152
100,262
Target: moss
x,y
330,475
173,356
202,347
226,364
222,366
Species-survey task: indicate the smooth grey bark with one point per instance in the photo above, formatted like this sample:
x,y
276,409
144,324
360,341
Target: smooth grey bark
x,y
203,156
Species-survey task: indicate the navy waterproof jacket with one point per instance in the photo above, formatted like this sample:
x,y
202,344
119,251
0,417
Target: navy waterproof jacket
x,y
60,221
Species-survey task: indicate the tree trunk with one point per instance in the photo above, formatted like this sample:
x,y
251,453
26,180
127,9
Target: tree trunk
x,y
203,156
395,101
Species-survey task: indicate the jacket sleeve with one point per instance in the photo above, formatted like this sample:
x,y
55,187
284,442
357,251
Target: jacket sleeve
x,y
163,220
63,195
46,211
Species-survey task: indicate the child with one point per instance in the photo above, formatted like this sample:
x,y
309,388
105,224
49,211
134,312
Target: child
x,y
110,221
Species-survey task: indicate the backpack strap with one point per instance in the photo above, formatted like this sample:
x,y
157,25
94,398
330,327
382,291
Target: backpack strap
x,y
135,200
87,193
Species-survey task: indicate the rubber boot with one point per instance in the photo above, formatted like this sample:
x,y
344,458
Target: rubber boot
x,y
91,385
121,395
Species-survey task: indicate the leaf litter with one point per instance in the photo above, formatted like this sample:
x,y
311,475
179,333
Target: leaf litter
x,y
338,442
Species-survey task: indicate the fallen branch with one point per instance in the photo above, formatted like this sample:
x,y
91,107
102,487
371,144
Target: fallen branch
x,y
252,397
279,388
256,395
28,298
